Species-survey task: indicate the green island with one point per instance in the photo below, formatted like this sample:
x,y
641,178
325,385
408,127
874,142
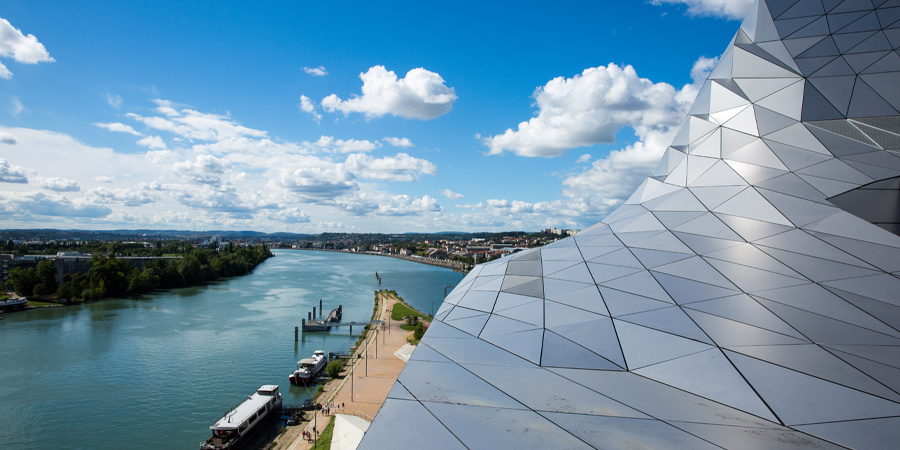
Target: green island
x,y
111,275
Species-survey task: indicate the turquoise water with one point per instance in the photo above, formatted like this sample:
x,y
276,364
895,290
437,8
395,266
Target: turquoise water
x,y
157,371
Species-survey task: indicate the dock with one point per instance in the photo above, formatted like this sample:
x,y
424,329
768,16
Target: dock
x,y
321,325
320,322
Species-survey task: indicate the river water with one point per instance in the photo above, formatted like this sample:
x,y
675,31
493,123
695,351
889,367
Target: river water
x,y
156,371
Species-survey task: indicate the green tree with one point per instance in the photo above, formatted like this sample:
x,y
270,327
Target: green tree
x,y
46,273
23,280
334,368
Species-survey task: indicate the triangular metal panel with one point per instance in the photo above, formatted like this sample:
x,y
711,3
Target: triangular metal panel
x,y
713,377
826,401
743,308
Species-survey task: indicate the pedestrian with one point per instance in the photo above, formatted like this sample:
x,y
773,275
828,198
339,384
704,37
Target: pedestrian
x,y
342,405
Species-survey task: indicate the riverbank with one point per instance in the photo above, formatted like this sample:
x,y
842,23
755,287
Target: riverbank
x,y
363,386
456,266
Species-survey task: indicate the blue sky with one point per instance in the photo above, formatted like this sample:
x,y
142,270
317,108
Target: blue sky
x,y
350,116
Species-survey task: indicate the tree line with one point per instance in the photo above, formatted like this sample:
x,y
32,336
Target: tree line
x,y
110,276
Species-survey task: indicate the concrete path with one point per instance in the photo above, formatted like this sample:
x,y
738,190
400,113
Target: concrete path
x,y
362,393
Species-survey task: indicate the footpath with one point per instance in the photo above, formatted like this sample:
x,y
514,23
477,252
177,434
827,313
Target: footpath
x,y
363,385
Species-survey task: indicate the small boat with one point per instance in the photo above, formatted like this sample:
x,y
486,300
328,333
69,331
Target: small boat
x,y
239,422
308,369
13,303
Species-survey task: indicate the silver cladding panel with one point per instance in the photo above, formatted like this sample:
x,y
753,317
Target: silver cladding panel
x,y
745,296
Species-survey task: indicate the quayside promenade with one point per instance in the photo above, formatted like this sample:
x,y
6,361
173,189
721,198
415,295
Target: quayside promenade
x,y
374,370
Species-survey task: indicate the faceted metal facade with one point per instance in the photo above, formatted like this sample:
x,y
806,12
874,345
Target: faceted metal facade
x,y
732,301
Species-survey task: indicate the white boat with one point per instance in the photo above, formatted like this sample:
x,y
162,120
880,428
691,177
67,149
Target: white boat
x,y
239,422
308,369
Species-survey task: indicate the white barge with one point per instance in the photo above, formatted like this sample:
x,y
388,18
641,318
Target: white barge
x,y
239,422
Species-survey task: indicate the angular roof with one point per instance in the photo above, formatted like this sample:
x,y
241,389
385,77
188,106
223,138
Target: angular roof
x,y
746,295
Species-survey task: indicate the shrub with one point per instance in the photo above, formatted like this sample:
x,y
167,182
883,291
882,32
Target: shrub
x,y
334,368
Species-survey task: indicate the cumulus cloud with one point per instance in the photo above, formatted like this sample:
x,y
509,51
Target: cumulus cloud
x,y
290,215
11,174
609,181
211,198
730,9
58,184
190,124
589,109
319,185
105,179
401,167
381,204
152,142
119,128
22,48
421,95
127,197
330,144
56,205
306,105
204,169
316,71
450,194
6,138
399,142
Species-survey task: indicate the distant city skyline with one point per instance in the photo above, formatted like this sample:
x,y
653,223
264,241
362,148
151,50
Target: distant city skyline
x,y
359,117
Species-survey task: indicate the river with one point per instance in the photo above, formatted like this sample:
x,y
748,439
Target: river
x,y
157,370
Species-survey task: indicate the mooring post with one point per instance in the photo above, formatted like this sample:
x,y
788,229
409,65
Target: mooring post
x,y
314,312
297,331
321,311
309,316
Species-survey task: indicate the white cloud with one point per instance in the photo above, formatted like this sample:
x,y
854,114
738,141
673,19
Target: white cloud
x,y
6,138
212,198
399,142
118,128
105,179
23,49
421,95
152,142
731,9
290,215
381,204
316,71
191,124
320,185
589,109
583,158
330,144
114,100
401,167
450,194
127,197
54,205
204,169
58,184
610,180
306,105
11,174
17,106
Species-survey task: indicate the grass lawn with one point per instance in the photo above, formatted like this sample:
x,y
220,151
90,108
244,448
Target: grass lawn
x,y
36,303
401,310
324,441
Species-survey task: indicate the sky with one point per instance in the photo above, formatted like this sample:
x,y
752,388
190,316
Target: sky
x,y
310,117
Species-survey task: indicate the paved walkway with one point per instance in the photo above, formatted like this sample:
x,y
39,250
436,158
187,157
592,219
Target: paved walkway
x,y
363,393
